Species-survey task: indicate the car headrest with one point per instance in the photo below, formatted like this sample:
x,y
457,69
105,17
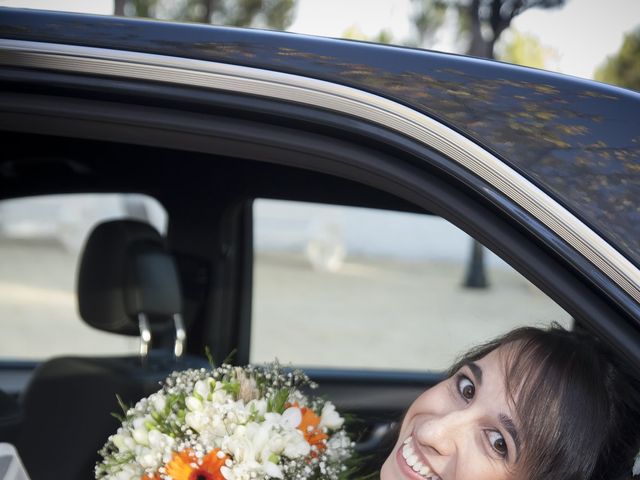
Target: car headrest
x,y
125,270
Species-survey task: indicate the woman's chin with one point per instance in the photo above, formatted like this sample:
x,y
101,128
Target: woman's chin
x,y
385,473
389,468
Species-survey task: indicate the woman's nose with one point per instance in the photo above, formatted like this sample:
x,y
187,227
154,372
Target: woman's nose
x,y
443,434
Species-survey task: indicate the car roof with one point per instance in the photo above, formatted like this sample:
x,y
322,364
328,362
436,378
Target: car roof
x,y
577,140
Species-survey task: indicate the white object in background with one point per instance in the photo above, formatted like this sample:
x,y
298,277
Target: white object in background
x,y
11,467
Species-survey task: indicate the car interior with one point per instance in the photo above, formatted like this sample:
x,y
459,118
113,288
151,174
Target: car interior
x,y
192,288
127,270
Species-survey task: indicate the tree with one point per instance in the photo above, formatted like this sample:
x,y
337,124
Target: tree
x,y
354,33
481,22
523,49
623,68
275,14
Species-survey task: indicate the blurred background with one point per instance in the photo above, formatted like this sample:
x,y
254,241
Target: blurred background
x,y
586,38
337,274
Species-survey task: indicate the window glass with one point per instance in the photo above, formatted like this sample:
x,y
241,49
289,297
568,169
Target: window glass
x,y
40,242
360,288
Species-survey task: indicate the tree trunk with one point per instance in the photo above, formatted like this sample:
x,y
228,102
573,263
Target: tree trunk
x,y
476,273
209,8
478,45
118,7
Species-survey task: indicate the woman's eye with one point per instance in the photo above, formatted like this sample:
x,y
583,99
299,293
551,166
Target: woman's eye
x,y
498,443
466,388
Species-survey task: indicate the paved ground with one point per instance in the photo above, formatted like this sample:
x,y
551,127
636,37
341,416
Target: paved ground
x,y
383,314
371,314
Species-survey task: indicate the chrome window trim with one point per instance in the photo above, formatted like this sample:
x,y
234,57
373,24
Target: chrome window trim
x,y
342,99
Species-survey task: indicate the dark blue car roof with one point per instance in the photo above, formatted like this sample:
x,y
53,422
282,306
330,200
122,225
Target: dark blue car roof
x,y
577,140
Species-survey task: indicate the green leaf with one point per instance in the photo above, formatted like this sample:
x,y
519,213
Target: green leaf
x,y
232,388
228,359
276,403
123,405
118,417
207,352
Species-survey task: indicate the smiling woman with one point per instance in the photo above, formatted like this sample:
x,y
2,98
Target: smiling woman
x,y
530,405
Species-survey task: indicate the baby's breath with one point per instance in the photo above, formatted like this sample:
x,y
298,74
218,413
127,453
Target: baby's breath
x,y
254,422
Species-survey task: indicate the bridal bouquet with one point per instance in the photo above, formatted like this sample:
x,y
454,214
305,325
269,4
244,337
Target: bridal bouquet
x,y
229,423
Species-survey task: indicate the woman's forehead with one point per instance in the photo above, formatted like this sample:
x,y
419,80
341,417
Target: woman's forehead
x,y
494,368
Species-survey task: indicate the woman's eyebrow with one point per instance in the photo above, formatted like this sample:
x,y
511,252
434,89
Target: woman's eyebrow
x,y
477,372
510,427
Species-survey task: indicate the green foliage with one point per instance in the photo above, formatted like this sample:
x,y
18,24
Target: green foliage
x,y
123,406
428,17
274,14
623,68
480,22
524,49
354,33
277,402
207,352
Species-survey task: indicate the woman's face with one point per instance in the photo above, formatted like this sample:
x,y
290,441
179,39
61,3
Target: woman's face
x,y
461,429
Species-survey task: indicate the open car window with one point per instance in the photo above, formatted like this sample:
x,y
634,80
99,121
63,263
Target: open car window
x,y
350,287
41,239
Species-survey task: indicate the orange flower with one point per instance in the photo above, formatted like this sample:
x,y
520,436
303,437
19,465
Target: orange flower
x,y
184,466
310,428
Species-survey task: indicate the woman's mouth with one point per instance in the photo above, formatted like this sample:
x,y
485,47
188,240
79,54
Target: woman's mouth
x,y
408,458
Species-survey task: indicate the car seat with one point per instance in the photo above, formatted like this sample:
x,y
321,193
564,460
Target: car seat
x,y
127,284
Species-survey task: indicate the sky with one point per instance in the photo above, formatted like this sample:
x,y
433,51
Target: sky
x,y
582,33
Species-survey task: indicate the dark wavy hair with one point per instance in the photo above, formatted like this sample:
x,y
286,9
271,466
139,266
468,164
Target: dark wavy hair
x,y
578,404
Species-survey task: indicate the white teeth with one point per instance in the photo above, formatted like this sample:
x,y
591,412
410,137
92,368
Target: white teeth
x,y
412,460
407,451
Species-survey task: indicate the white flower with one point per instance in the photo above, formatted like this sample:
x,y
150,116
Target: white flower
x,y
273,470
295,445
291,417
128,472
226,409
120,441
227,473
338,446
201,388
140,435
259,406
159,441
195,420
159,402
330,418
149,459
636,465
193,404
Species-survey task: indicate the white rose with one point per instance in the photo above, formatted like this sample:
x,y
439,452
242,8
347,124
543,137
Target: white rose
x,y
330,418
295,445
291,417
